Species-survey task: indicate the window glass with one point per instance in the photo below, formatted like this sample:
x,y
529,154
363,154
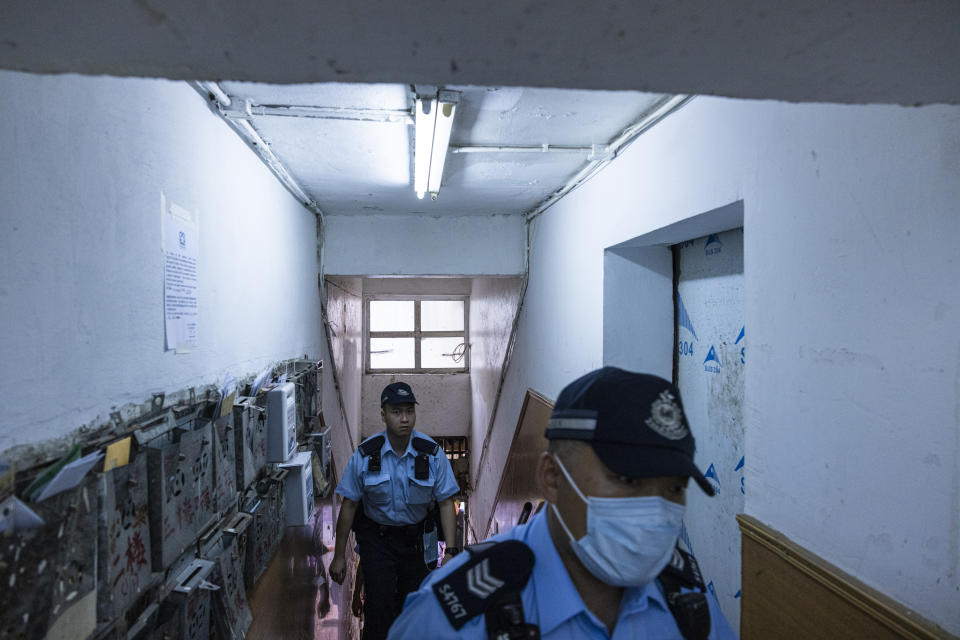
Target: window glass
x,y
441,315
391,353
438,353
391,315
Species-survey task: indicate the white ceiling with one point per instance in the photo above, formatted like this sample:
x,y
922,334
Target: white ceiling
x,y
362,167
847,51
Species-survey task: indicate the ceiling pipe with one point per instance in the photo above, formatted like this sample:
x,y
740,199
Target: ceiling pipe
x,y
652,117
542,148
402,116
253,136
222,98
599,156
219,102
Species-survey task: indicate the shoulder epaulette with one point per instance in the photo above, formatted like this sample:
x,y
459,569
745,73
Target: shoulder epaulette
x,y
479,547
684,568
371,450
371,446
425,446
689,608
494,570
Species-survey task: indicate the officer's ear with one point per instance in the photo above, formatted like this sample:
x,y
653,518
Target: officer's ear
x,y
548,476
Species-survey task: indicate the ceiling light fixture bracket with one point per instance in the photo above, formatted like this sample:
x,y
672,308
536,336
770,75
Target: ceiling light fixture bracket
x,y
434,111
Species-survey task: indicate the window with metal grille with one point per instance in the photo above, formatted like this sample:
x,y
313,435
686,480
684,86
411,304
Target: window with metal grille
x,y
419,334
454,446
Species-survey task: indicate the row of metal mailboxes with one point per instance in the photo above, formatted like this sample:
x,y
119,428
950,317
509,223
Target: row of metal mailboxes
x,y
115,545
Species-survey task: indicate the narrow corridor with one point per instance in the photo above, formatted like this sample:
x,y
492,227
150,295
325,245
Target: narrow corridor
x,y
216,205
294,599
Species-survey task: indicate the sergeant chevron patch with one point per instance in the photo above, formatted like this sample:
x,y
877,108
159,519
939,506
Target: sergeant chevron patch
x,y
480,582
492,571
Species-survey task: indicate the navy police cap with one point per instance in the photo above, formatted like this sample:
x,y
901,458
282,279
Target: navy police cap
x,y
634,421
397,393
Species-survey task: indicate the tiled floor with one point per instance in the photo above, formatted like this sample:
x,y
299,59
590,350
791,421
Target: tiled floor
x,y
291,601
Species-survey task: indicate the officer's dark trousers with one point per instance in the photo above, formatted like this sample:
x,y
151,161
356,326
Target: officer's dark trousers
x,y
392,566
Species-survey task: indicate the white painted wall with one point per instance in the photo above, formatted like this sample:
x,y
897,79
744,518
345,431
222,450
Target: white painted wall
x,y
443,407
424,245
493,308
638,313
81,301
638,309
853,378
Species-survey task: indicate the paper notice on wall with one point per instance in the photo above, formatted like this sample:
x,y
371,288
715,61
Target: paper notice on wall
x,y
181,252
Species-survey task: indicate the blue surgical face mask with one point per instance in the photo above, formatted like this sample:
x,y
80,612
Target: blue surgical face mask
x,y
629,540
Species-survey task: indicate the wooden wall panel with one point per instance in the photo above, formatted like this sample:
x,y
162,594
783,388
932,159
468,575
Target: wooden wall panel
x,y
789,593
518,483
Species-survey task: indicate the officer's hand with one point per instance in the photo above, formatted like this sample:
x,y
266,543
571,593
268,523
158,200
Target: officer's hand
x,y
338,568
356,605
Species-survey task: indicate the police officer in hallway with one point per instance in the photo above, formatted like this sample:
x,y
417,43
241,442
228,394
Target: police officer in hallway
x,y
387,488
604,559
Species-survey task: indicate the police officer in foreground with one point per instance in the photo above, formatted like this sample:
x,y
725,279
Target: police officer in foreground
x,y
603,560
387,488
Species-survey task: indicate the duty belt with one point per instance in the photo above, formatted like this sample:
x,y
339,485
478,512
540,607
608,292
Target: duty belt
x,y
404,530
362,523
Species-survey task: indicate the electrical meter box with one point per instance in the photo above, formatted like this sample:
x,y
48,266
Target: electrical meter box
x,y
299,488
281,422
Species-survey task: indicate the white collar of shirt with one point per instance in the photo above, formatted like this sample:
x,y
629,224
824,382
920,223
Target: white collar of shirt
x,y
557,598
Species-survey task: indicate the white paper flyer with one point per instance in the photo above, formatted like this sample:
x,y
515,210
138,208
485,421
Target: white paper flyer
x,y
181,252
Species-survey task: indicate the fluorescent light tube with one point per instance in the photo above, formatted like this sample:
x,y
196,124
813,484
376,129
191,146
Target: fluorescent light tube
x,y
425,118
441,138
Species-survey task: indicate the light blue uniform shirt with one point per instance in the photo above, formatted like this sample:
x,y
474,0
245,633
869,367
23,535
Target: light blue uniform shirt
x,y
551,602
394,496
